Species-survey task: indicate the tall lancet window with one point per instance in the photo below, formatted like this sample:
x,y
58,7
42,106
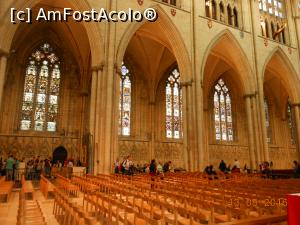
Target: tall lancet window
x,y
173,106
41,91
268,121
222,112
291,123
125,101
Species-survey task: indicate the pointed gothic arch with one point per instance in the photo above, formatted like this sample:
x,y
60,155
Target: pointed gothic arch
x,y
285,71
92,30
175,44
234,55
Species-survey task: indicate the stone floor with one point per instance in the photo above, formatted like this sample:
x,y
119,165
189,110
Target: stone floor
x,y
9,210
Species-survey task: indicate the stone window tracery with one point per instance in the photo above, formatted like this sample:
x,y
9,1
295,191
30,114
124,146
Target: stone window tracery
x,y
222,112
41,91
216,10
125,101
268,121
173,106
273,18
291,124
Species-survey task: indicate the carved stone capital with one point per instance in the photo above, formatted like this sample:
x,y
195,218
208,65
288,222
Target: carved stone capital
x,y
186,83
98,67
295,105
252,95
3,53
117,69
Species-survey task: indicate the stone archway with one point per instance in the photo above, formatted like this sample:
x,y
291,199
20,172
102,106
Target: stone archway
x,y
60,153
226,60
92,30
162,42
280,84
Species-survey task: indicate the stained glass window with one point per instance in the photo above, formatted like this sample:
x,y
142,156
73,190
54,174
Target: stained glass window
x,y
222,112
41,91
173,106
291,123
272,7
268,123
125,101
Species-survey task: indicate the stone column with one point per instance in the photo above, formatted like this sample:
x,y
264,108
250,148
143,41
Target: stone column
x,y
152,141
95,115
93,100
250,130
297,122
185,126
189,155
3,64
190,126
257,148
261,101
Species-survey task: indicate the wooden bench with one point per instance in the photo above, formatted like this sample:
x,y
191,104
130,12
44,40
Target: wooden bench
x,y
46,186
27,187
29,212
6,188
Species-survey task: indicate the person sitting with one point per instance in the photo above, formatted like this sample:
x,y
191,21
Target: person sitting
x,y
246,169
166,167
228,169
296,169
237,165
159,168
235,170
209,170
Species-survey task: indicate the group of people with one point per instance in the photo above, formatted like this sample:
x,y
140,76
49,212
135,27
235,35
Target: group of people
x,y
13,168
264,168
127,167
223,167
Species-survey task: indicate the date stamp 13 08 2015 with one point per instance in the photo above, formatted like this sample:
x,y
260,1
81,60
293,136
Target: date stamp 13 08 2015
x,y
252,202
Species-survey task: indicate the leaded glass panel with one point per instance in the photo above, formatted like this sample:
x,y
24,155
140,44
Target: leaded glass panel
x,y
125,101
173,106
222,112
41,90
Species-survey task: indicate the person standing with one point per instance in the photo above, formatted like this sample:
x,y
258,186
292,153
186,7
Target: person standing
x,y
127,165
153,168
152,172
9,168
47,167
117,166
222,166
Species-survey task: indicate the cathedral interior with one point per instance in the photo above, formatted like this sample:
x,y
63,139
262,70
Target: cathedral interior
x,y
206,81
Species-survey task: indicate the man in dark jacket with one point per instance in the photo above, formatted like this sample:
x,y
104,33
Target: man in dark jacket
x,y
222,166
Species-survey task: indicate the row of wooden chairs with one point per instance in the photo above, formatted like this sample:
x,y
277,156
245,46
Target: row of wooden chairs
x,y
83,184
65,184
67,212
221,195
213,202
